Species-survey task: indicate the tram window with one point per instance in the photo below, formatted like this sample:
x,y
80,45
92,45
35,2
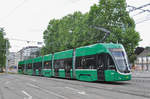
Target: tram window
x,y
38,65
86,62
105,61
22,67
61,64
47,65
34,65
68,63
90,62
100,62
78,63
58,64
29,66
19,67
110,63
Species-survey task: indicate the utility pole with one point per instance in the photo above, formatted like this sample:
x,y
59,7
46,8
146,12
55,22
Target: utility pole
x,y
6,71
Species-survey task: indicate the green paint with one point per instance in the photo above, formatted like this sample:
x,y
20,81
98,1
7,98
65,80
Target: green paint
x,y
111,75
86,74
29,72
47,72
37,72
38,59
20,71
29,61
96,49
62,73
111,45
90,50
63,54
47,57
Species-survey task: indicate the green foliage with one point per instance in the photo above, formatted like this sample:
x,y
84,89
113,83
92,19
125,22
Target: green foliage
x,y
79,29
112,15
2,48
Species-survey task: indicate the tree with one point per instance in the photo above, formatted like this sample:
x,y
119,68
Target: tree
x,y
2,49
66,33
112,15
77,29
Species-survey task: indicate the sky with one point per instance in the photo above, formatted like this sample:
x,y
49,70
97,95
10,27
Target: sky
x,y
25,20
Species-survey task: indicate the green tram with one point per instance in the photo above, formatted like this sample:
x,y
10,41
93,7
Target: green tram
x,y
98,62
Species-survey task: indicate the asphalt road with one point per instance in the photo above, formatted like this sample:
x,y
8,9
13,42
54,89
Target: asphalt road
x,y
15,86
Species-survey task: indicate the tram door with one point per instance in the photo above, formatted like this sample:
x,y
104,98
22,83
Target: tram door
x,y
101,60
67,72
22,68
56,71
56,67
40,68
34,69
68,67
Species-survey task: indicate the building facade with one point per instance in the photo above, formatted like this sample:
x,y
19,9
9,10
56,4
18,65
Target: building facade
x,y
12,63
28,52
12,59
143,60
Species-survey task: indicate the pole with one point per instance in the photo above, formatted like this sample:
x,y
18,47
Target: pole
x,y
74,60
6,71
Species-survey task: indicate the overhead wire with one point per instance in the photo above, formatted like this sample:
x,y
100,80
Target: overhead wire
x,y
13,10
140,8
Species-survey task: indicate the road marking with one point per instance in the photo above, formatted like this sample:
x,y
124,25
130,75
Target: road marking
x,y
78,91
33,85
47,91
29,96
33,80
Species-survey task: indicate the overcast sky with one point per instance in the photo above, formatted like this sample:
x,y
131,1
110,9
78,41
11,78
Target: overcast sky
x,y
27,19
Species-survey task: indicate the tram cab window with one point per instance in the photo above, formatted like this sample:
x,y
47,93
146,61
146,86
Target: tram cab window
x,y
86,62
47,64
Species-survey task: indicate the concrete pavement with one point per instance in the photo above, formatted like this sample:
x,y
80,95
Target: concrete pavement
x,y
14,86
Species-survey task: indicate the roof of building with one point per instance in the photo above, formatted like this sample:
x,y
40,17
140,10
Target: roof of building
x,y
28,47
145,53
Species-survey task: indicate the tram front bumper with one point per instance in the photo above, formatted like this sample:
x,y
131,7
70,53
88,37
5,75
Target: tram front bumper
x,y
111,75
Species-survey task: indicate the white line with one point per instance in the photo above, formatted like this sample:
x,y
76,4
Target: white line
x,y
78,91
82,93
53,93
72,88
29,96
33,80
32,85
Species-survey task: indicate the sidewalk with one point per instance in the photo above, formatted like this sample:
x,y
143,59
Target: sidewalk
x,y
141,74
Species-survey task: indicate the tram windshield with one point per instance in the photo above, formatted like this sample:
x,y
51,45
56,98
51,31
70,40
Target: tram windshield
x,y
120,59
